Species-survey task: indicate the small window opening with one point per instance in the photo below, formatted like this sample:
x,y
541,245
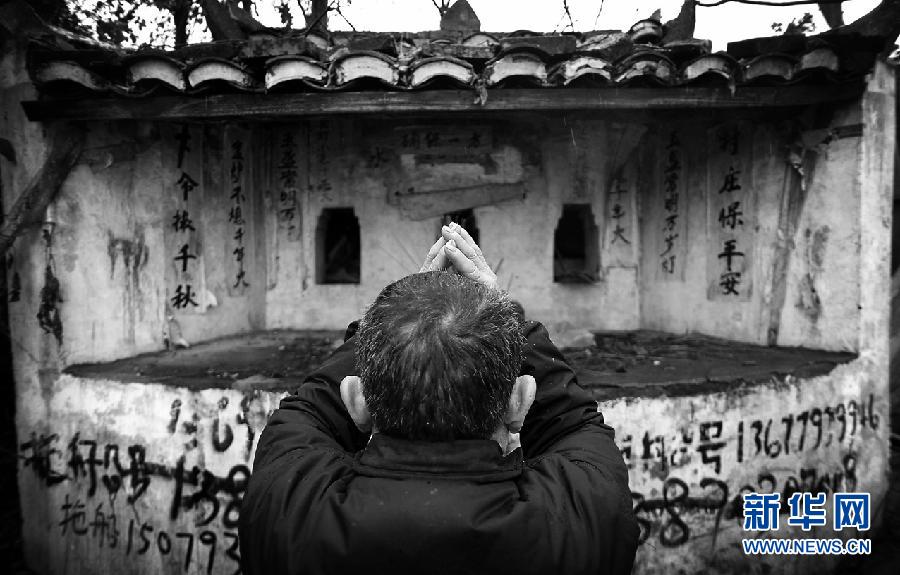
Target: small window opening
x,y
337,247
465,218
575,257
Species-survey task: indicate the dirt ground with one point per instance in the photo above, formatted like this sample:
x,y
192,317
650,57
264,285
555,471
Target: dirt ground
x,y
620,363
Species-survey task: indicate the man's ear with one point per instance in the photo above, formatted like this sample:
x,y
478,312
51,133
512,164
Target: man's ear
x,y
520,401
355,402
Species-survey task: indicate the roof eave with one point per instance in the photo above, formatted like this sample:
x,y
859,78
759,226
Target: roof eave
x,y
257,106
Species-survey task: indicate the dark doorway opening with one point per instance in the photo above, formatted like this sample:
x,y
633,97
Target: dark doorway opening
x,y
337,247
575,246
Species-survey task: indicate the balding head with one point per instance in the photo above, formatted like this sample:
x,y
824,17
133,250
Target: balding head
x,y
438,355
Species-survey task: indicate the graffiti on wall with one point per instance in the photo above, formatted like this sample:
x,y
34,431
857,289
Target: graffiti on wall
x,y
672,248
620,226
688,482
323,143
185,272
239,213
286,168
731,215
176,496
127,498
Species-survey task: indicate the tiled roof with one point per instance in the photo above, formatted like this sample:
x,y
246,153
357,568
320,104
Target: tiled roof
x,y
272,62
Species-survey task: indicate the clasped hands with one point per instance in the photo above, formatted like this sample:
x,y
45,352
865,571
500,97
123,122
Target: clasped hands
x,y
456,248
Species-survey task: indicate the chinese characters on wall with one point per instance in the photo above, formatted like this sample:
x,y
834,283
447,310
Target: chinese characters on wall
x,y
672,244
239,220
452,140
730,214
322,146
286,183
186,285
621,229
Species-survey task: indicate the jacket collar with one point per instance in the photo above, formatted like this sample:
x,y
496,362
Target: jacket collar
x,y
480,460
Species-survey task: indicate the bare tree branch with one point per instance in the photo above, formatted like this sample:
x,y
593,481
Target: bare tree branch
x,y
442,7
598,13
341,14
568,14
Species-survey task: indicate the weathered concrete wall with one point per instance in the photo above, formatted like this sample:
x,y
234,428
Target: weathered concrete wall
x,y
144,239
109,252
365,164
796,238
127,244
701,453
154,480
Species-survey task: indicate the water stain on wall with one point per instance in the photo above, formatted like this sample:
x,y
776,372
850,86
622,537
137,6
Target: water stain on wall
x,y
134,255
808,300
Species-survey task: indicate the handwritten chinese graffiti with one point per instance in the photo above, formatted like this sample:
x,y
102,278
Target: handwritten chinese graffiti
x,y
186,281
177,498
104,522
138,498
286,170
322,142
444,140
672,244
730,214
620,222
238,215
674,509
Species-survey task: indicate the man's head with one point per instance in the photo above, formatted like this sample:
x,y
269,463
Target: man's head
x,y
437,358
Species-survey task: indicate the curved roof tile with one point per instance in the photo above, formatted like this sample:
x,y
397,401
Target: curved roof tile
x,y
711,66
429,70
770,67
208,72
56,75
285,70
649,31
648,66
516,64
297,61
821,58
155,69
365,65
582,69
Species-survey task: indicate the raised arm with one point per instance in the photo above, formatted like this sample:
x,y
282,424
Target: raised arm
x,y
310,436
560,405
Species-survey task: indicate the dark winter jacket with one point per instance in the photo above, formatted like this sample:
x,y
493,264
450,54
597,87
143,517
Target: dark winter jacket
x,y
322,500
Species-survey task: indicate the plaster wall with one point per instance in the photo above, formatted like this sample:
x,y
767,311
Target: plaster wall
x,y
546,163
108,249
114,250
153,478
116,254
800,234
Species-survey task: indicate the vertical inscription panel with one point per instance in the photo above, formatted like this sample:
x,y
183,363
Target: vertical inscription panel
x,y
620,226
183,188
730,213
286,179
240,195
669,206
